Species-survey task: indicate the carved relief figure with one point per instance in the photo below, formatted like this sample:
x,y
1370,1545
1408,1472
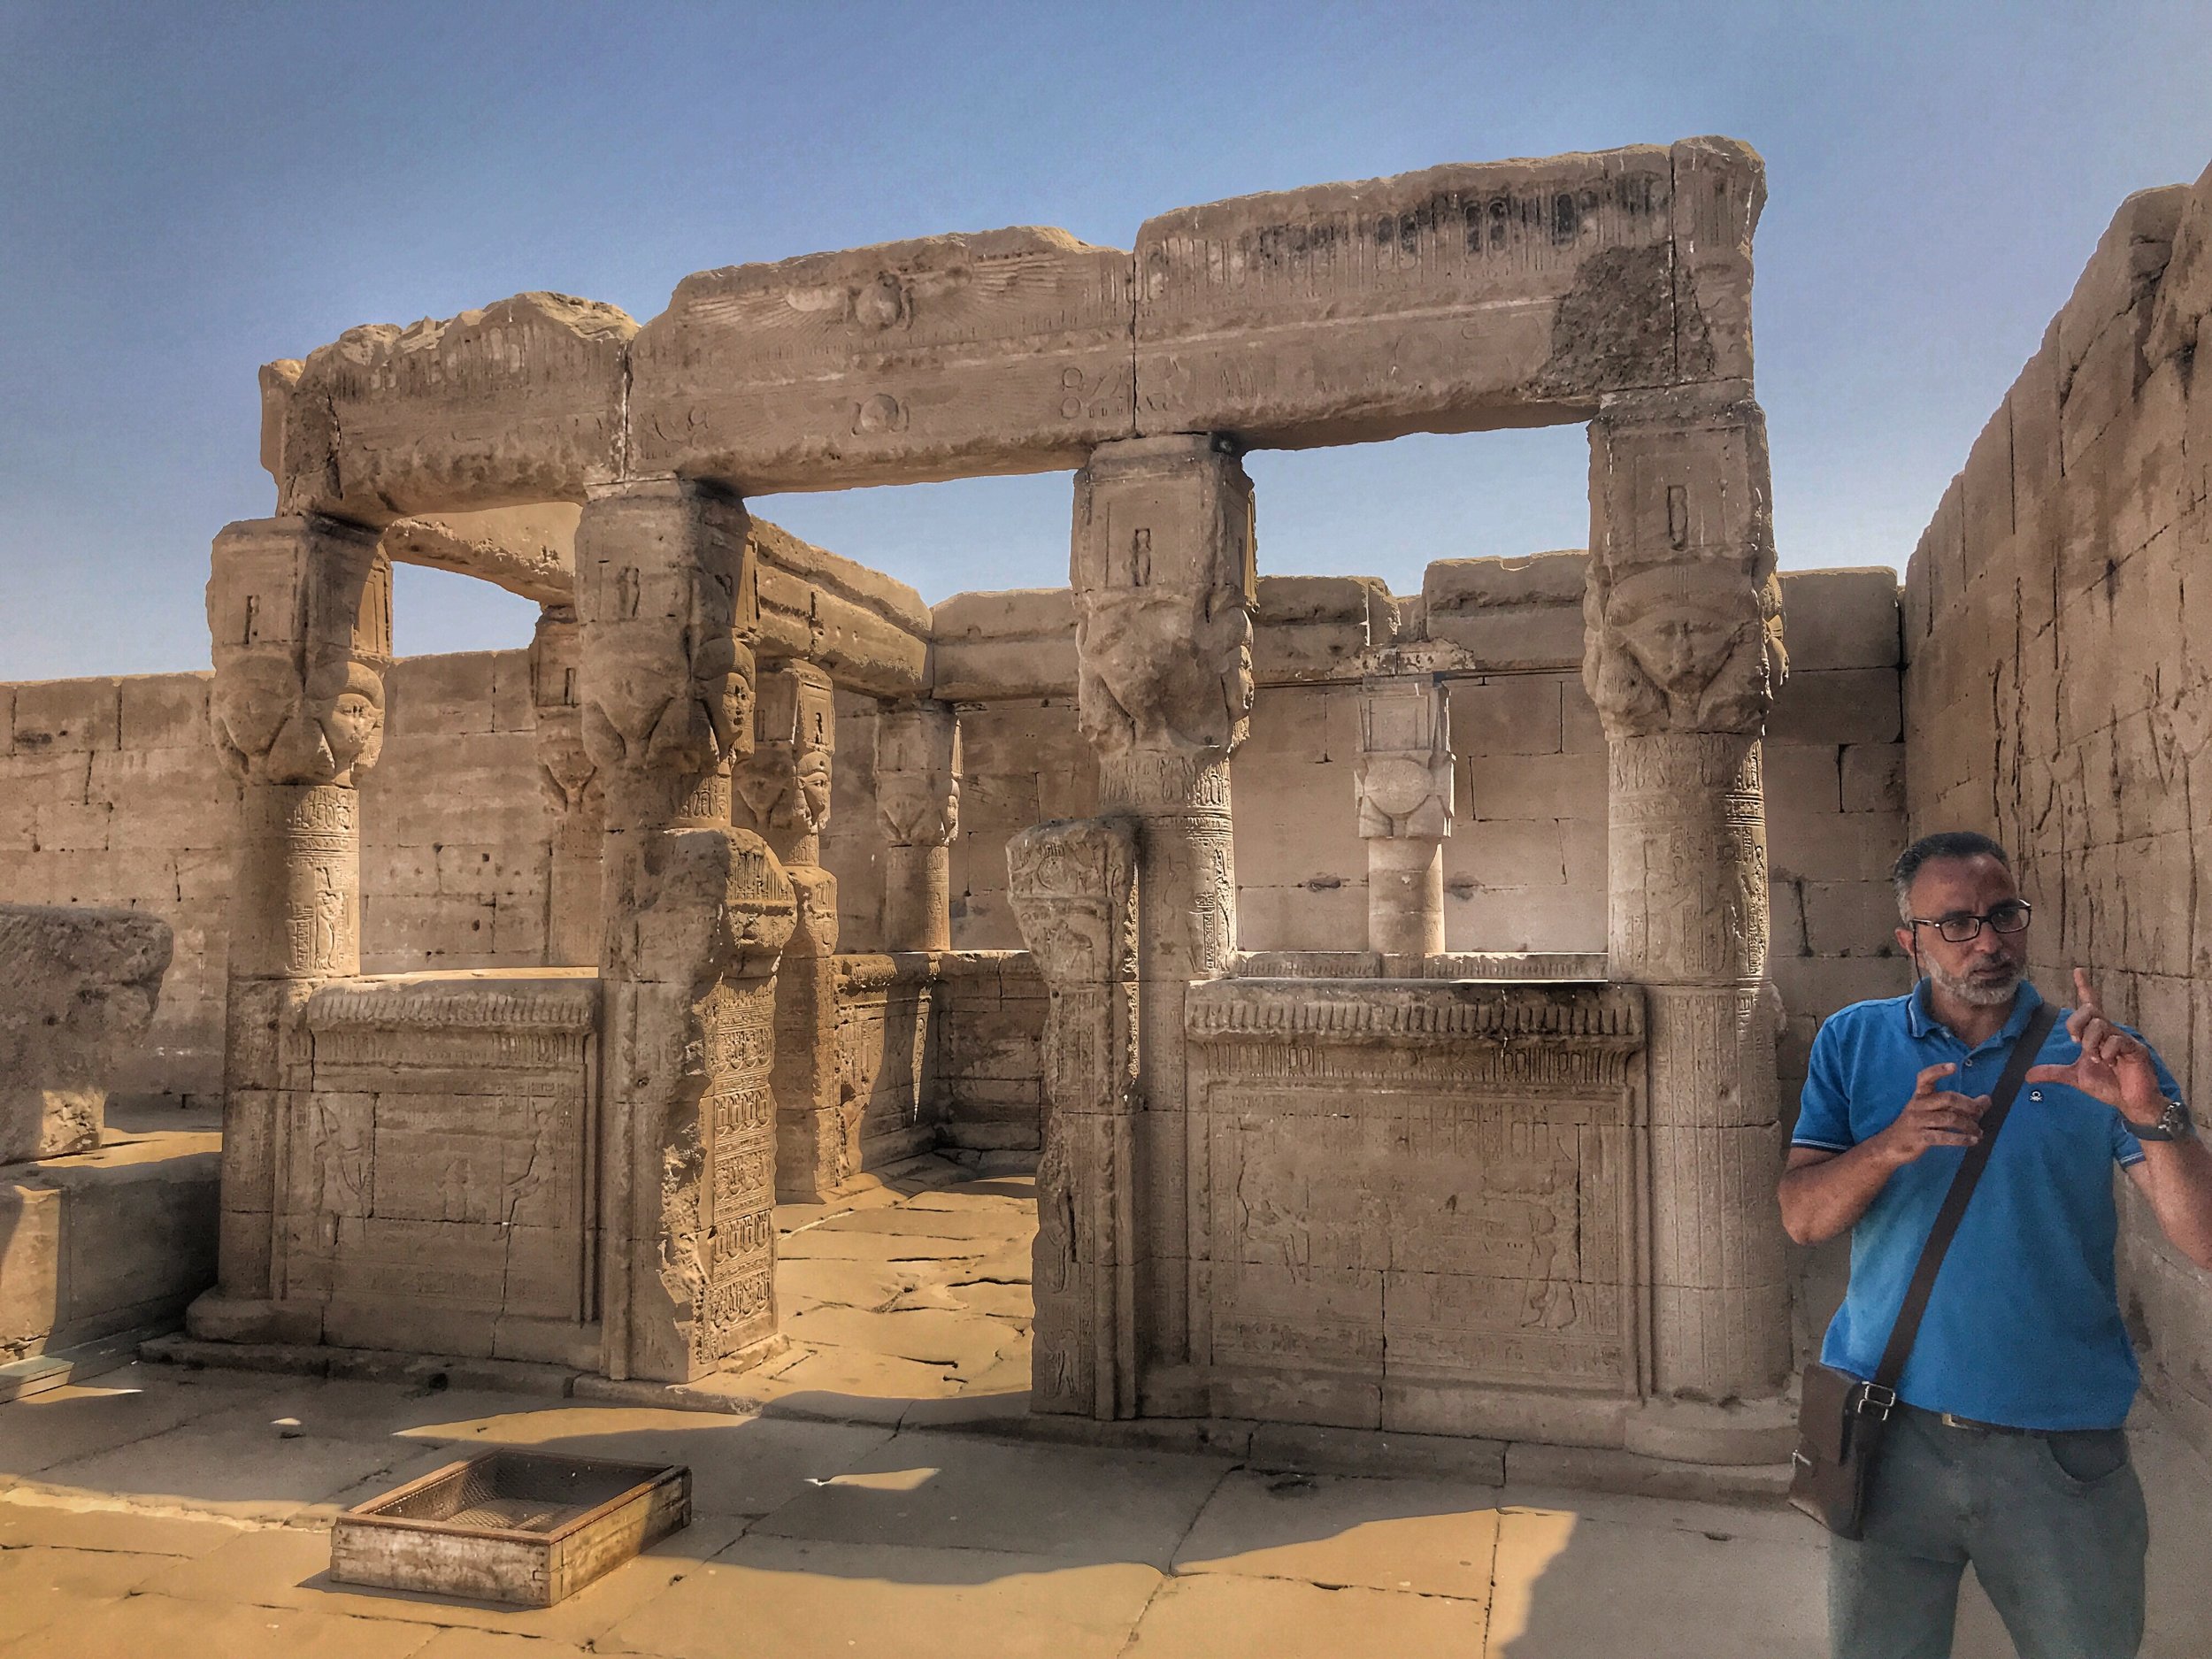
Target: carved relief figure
x,y
1688,648
1166,668
1404,773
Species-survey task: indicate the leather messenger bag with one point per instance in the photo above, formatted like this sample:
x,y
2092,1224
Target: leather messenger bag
x,y
1841,1418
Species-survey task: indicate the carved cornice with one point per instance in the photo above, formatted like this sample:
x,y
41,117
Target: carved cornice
x,y
1395,1012
470,1003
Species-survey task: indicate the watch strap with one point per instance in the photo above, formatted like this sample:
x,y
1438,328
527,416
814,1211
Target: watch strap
x,y
2174,1123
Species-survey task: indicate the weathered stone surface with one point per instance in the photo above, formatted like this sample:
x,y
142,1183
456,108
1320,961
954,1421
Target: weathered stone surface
x,y
1020,643
528,550
300,610
519,402
871,633
77,987
1509,613
1006,351
1449,300
1404,784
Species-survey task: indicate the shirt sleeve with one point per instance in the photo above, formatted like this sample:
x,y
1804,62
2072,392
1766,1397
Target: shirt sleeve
x,y
1824,1108
2127,1149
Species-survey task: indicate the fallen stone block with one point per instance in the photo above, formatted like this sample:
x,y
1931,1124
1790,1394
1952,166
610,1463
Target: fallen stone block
x,y
77,987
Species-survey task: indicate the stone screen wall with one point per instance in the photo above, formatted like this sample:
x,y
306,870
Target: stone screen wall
x,y
2059,631
109,793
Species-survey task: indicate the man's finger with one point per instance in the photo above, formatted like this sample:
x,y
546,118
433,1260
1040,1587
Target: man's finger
x,y
2049,1074
2084,993
2092,1035
1929,1076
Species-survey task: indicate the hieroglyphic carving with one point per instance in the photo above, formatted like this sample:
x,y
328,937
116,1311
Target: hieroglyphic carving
x,y
1686,849
1442,1184
565,767
299,612
665,594
1073,887
1683,608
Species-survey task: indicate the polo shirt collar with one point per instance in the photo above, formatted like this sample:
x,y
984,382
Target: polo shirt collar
x,y
1921,1021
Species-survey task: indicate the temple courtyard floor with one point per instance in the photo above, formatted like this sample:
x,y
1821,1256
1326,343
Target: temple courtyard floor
x,y
161,1509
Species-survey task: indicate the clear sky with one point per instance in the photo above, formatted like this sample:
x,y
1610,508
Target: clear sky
x,y
189,190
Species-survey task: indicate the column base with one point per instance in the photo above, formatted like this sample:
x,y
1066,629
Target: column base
x,y
1693,1432
216,1317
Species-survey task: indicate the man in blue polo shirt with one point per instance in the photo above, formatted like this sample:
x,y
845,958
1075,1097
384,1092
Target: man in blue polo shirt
x,y
2006,1450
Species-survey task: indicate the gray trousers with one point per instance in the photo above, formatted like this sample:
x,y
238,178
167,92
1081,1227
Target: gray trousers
x,y
2053,1524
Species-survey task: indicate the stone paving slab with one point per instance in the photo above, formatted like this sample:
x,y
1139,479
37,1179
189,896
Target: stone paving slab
x,y
775,1598
1428,1538
1223,1617
1064,1502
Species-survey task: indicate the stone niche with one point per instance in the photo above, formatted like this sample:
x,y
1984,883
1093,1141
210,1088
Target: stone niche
x,y
1419,1204
439,1188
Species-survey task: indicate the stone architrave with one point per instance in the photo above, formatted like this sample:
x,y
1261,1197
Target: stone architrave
x,y
782,792
1074,889
918,801
299,611
1450,300
523,401
1165,589
695,914
571,781
1684,657
946,357
78,987
1404,783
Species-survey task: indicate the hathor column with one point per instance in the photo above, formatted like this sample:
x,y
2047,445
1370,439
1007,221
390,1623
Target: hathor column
x,y
1404,783
1683,656
695,915
918,799
572,790
300,612
1163,580
783,796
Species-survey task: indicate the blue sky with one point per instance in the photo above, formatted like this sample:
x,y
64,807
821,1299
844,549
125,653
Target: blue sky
x,y
186,191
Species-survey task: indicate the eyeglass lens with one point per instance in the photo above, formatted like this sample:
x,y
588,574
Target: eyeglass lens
x,y
2006,918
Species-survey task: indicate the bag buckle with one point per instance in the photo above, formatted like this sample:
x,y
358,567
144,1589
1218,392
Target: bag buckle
x,y
1876,1401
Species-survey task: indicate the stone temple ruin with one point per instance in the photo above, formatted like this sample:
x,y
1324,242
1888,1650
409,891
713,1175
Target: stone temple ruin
x,y
578,1162
1506,1171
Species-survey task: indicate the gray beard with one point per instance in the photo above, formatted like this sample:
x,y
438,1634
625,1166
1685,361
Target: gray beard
x,y
1973,995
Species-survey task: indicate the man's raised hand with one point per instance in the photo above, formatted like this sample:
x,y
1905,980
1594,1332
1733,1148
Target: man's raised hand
x,y
2114,1067
1932,1117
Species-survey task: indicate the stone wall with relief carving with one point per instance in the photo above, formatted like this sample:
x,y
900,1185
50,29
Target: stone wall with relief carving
x,y
2058,629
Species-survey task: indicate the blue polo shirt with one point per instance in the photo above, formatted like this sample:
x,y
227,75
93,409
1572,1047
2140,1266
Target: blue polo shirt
x,y
2023,1324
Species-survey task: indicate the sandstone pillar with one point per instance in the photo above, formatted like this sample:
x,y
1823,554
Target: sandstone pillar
x,y
571,781
917,797
1404,783
1073,887
1163,582
1683,656
300,614
694,914
783,794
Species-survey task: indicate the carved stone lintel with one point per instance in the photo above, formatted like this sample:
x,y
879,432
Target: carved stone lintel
x,y
665,595
1073,887
782,788
1683,609
299,613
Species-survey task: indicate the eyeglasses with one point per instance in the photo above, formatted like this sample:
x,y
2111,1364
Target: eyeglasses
x,y
2008,918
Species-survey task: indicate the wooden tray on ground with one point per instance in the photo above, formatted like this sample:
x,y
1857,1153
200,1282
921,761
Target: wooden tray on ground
x,y
529,1528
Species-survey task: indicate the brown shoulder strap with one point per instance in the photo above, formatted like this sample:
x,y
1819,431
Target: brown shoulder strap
x,y
2024,1048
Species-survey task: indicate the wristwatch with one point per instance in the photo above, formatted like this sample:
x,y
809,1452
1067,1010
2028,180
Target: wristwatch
x,y
2174,1123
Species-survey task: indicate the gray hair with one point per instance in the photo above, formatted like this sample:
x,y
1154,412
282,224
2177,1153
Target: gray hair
x,y
1942,844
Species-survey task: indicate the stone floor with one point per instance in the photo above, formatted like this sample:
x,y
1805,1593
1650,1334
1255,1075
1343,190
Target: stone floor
x,y
185,1513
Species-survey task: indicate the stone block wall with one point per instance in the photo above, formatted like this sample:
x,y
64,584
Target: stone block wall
x,y
2058,629
111,794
